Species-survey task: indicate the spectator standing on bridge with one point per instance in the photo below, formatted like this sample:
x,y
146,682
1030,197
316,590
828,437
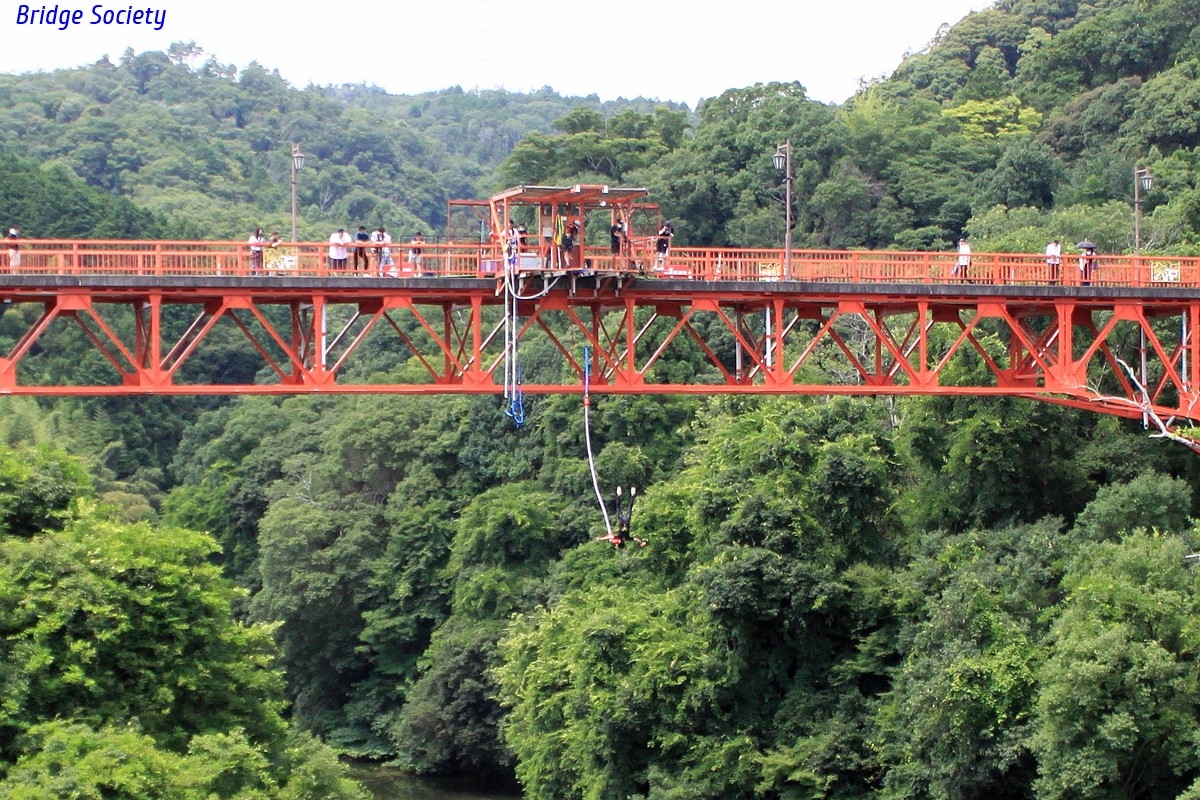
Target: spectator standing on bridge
x,y
568,244
1087,262
615,234
14,251
383,252
415,248
1054,260
963,265
662,244
338,243
377,250
361,238
257,240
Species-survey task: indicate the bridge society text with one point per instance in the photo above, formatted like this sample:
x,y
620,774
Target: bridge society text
x,y
64,18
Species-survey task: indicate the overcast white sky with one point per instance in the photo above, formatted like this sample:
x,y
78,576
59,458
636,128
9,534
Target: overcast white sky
x,y
680,50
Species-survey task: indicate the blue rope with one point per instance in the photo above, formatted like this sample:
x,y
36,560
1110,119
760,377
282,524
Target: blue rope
x,y
587,370
516,404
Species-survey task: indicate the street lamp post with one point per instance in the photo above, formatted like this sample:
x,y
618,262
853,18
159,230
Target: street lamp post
x,y
297,165
783,161
1142,180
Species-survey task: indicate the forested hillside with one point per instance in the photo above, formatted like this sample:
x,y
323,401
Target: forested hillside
x,y
838,598
209,146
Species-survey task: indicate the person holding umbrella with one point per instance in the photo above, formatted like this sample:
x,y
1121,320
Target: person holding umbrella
x,y
1087,261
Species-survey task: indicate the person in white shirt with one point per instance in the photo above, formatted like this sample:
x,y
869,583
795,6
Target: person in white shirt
x,y
1054,260
338,243
256,242
964,259
14,252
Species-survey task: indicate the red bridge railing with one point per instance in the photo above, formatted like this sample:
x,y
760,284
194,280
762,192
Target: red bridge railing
x,y
311,260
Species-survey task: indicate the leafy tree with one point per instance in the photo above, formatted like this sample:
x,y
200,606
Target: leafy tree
x,y
504,538
610,694
106,622
37,486
988,79
72,760
451,720
970,472
957,719
994,119
1116,712
1024,230
842,204
592,146
1027,174
729,154
1149,502
1091,121
581,120
312,557
1163,108
49,202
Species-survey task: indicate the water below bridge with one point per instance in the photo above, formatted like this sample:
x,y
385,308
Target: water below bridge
x,y
386,783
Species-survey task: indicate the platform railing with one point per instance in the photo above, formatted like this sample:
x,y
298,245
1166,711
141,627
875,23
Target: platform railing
x,y
170,259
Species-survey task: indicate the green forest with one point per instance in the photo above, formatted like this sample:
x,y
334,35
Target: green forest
x,y
932,598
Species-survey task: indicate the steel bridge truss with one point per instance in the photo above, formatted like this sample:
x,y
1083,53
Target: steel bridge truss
x,y
1131,355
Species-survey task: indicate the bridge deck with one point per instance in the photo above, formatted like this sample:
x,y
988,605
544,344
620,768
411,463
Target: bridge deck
x,y
28,284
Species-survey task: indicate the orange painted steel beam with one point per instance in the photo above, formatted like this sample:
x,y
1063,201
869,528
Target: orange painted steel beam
x,y
149,310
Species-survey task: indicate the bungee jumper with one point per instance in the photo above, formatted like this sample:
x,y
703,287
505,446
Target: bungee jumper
x,y
621,512
624,515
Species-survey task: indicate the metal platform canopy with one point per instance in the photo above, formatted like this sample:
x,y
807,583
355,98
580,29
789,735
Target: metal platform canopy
x,y
542,228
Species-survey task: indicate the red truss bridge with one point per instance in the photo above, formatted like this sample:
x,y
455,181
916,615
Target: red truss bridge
x,y
515,312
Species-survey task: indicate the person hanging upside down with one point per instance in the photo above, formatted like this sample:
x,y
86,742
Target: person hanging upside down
x,y
624,514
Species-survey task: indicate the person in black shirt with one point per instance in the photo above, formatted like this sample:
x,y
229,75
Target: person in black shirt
x,y
361,238
663,243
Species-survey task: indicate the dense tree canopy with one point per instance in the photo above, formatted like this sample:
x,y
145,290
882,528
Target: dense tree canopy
x,y
124,671
839,598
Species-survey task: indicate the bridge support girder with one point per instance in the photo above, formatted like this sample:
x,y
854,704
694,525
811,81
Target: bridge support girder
x,y
1119,355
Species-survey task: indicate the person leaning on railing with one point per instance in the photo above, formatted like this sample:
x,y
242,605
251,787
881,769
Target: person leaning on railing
x,y
339,242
